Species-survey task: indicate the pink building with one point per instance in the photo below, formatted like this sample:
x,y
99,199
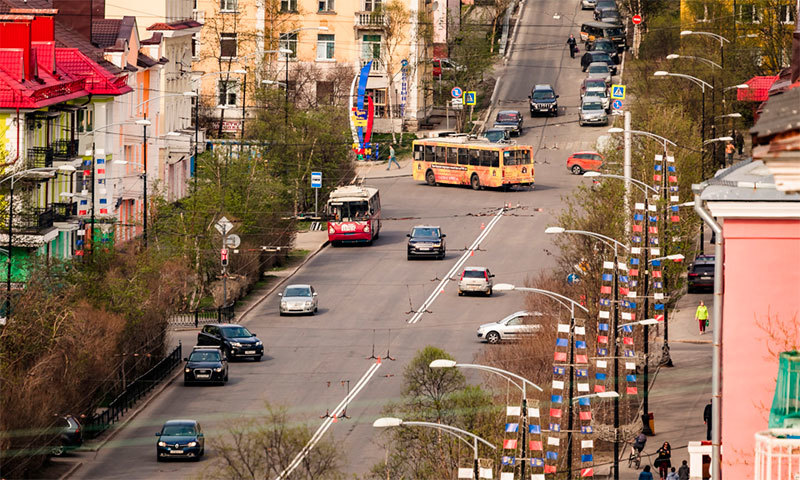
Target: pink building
x,y
761,286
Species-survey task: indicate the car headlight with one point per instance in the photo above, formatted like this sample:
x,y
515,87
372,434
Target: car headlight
x,y
366,228
236,344
283,304
162,444
187,370
308,304
437,245
218,369
331,230
258,343
191,444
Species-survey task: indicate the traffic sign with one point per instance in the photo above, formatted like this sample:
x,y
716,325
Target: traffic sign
x,y
223,226
618,92
233,241
636,19
573,278
469,98
223,257
316,179
456,92
616,104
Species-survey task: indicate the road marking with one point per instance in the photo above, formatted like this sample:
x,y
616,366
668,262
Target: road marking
x,y
461,261
326,424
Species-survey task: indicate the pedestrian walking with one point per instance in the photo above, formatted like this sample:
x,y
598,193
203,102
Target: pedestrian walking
x,y
738,140
392,158
707,420
573,45
663,462
729,149
646,475
701,315
683,472
672,475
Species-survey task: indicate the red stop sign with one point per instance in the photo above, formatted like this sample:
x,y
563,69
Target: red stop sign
x,y
636,19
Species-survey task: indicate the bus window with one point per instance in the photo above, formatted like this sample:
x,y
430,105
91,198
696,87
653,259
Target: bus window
x,y
521,157
429,153
495,159
486,158
440,155
452,155
528,157
417,152
474,157
508,159
462,156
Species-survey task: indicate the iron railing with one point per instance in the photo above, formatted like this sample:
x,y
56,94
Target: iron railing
x,y
370,20
65,150
62,211
134,391
40,157
203,316
34,221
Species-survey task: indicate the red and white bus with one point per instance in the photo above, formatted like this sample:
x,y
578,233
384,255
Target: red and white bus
x,y
354,215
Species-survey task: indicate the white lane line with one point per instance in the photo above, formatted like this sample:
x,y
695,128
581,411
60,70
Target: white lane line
x,y
461,261
326,424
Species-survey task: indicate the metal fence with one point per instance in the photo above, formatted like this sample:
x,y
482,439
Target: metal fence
x,y
203,316
132,393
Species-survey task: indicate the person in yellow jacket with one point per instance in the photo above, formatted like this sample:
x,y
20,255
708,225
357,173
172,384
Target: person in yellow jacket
x,y
701,315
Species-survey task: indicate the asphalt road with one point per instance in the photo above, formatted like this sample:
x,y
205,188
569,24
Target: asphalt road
x,y
373,289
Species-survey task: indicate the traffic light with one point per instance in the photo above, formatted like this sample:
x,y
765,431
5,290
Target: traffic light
x,y
223,257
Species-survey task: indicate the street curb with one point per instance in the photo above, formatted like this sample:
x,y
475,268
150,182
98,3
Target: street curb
x,y
389,176
693,342
71,471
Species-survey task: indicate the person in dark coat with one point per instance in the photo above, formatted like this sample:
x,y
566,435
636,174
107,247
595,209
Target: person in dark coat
x,y
707,420
573,45
738,140
683,472
645,474
663,460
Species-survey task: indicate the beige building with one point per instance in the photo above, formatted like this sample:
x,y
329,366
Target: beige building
x,y
330,41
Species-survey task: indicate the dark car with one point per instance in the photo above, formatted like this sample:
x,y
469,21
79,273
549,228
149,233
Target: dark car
x,y
426,241
701,274
234,340
543,99
510,120
70,435
606,45
594,56
611,16
180,439
205,365
603,5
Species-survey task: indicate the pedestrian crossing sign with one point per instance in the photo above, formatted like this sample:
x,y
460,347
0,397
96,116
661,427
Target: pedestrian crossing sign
x,y
618,92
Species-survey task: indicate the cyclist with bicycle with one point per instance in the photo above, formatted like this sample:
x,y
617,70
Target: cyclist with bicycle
x,y
638,445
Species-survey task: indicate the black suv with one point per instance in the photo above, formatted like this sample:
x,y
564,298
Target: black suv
x,y
426,241
234,340
593,56
701,274
205,365
543,100
606,45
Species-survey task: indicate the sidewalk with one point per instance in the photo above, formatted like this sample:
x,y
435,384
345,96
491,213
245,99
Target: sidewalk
x,y
377,169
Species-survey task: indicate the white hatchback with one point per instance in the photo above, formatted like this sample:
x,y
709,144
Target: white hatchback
x,y
514,326
475,280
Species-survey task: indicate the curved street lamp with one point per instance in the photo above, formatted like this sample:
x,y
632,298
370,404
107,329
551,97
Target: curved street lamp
x,y
675,56
722,41
460,434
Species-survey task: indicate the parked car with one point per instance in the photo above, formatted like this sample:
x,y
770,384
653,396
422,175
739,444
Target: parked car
x,y
444,64
205,365
701,274
594,30
608,46
602,5
592,112
543,99
70,435
426,241
475,279
180,439
611,16
600,95
599,70
234,340
588,4
510,120
512,327
496,135
299,299
580,162
596,56
589,83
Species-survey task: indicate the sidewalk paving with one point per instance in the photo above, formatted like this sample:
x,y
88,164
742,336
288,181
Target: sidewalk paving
x,y
377,169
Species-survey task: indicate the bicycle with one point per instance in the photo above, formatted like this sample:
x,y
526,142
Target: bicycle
x,y
635,458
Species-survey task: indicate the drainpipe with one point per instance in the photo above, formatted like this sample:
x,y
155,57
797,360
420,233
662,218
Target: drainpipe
x,y
716,358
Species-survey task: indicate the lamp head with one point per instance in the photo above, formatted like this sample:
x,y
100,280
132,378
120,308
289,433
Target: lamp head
x,y
660,73
607,394
387,422
648,321
287,51
675,257
725,139
145,122
592,174
686,32
616,130
742,86
551,230
66,168
673,56
504,287
323,28
442,363
239,72
189,94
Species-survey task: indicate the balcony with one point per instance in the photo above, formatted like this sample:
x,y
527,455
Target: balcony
x,y
65,150
34,221
62,211
40,157
199,16
370,21
377,65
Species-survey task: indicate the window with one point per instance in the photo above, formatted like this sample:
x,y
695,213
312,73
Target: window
x,y
288,41
227,92
787,13
429,155
441,156
325,92
475,157
372,5
227,5
452,155
194,45
489,158
378,101
462,156
227,45
325,47
370,47
289,6
325,5
749,13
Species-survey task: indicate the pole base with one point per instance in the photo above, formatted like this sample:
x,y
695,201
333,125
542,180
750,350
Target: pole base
x,y
666,359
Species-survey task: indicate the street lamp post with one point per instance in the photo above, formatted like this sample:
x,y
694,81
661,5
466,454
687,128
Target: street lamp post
x,y
454,431
675,56
610,242
571,306
444,363
722,41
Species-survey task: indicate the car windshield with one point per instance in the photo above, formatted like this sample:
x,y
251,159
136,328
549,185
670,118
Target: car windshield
x,y
474,274
601,57
349,211
543,95
236,332
178,430
204,357
495,135
598,69
297,292
593,106
613,32
600,94
507,117
595,84
704,268
425,232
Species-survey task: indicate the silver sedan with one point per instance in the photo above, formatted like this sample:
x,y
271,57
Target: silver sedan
x,y
300,299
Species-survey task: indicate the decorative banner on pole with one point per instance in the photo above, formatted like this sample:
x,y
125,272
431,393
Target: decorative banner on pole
x,y
403,87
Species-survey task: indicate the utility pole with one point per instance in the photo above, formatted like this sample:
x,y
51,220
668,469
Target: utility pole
x,y
571,360
616,360
627,171
91,222
144,187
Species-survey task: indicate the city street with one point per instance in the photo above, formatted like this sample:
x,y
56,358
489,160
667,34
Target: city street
x,y
368,295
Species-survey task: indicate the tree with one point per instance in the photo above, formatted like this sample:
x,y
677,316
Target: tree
x,y
427,387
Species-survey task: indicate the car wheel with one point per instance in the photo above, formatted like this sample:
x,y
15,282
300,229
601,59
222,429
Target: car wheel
x,y
493,338
475,182
409,256
57,450
430,178
532,115
489,293
281,313
226,376
258,358
690,290
577,170
158,458
460,293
